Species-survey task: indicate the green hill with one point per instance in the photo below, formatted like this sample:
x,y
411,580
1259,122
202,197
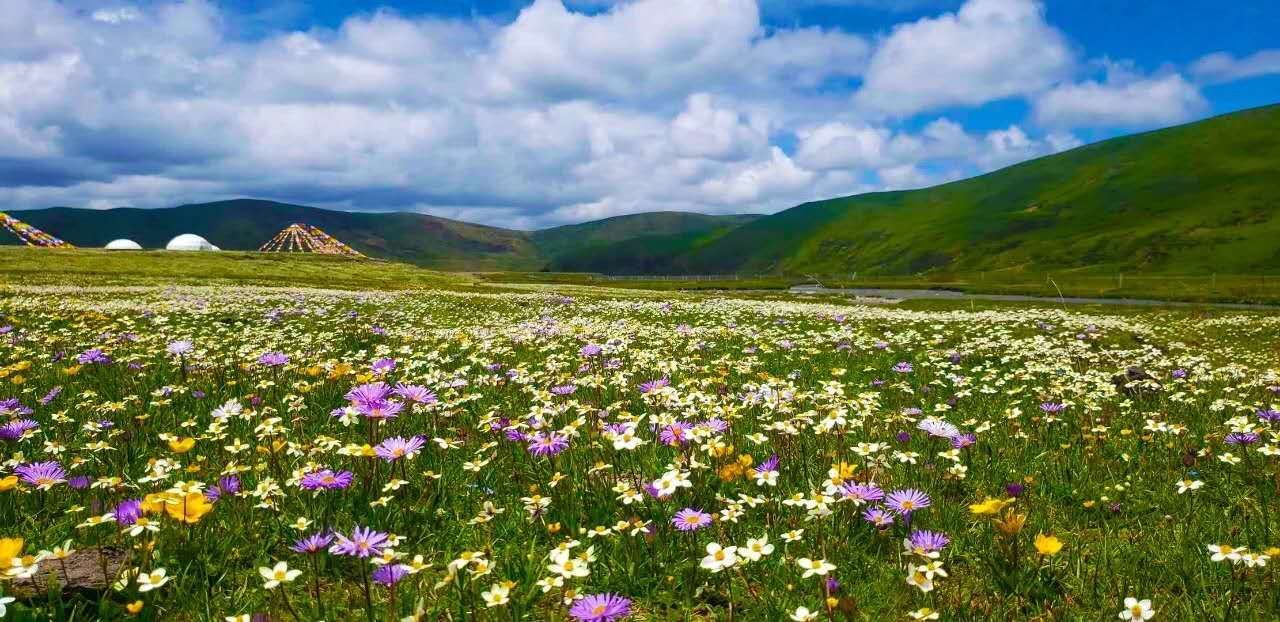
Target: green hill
x,y
1197,198
244,224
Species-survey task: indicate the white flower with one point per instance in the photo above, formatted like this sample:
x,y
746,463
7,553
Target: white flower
x,y
497,594
803,614
718,558
918,579
4,601
924,613
1136,610
756,548
277,575
814,567
1225,551
1189,484
152,580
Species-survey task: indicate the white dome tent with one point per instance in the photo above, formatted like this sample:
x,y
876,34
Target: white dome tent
x,y
123,244
189,242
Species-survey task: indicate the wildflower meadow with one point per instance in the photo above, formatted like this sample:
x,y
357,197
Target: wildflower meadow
x,y
236,453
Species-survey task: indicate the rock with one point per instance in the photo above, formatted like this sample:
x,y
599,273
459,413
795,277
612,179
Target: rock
x,y
1134,381
80,571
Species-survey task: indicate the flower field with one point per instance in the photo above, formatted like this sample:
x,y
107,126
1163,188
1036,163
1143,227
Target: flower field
x,y
272,454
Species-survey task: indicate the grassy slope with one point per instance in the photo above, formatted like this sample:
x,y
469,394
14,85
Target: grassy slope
x,y
571,239
1197,198
37,266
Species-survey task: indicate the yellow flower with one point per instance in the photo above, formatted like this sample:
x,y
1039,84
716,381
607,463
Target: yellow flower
x,y
1048,545
9,549
8,483
182,445
73,370
989,507
134,608
1012,523
190,510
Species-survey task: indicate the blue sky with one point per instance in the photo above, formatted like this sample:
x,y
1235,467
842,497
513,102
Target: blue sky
x,y
529,114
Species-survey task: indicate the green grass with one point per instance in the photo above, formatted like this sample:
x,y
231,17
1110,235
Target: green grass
x,y
1101,475
1193,199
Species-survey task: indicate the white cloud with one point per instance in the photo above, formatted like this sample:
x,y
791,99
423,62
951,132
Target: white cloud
x,y
986,51
1123,100
1223,67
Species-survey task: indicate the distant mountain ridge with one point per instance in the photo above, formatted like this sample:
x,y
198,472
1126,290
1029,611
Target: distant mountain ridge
x,y
431,241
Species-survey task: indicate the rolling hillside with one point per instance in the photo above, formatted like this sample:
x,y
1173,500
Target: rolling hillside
x,y
244,224
1197,198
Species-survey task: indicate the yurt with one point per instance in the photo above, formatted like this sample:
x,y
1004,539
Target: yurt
x,y
123,245
189,242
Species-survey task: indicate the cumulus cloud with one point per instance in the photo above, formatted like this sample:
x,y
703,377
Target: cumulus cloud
x,y
986,51
557,114
1125,99
1222,67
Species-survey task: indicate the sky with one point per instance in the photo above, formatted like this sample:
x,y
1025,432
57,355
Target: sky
x,y
528,114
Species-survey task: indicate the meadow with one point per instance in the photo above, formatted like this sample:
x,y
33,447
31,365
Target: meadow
x,y
239,452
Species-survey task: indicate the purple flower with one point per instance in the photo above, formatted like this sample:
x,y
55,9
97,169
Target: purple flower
x,y
924,542
964,441
691,519
180,347
938,428
313,543
13,408
878,516
383,366
50,396
654,385
1179,374
128,512
396,447
326,479
832,585
1053,408
273,359
79,482
372,392
564,389
14,430
415,393
905,502
390,574
590,350
1015,489
363,542
675,434
42,474
93,356
547,444
903,368
1270,416
381,409
1241,438
600,608
771,464
862,493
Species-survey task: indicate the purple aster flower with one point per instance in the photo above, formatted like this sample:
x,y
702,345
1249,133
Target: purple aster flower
x,y
326,479
180,347
42,474
924,542
653,385
381,409
691,519
547,444
590,350
313,543
79,482
13,408
564,389
388,575
383,366
128,512
50,396
1270,416
903,437
1241,438
273,359
1015,489
371,392
14,430
903,368
716,425
415,393
832,585
862,493
93,356
771,464
964,441
938,428
1053,408
1179,374
878,516
675,434
600,608
905,502
363,542
396,447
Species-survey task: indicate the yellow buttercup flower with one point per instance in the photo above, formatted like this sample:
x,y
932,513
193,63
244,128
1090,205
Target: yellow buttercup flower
x,y
190,509
1048,545
182,445
9,549
989,507
8,483
134,608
